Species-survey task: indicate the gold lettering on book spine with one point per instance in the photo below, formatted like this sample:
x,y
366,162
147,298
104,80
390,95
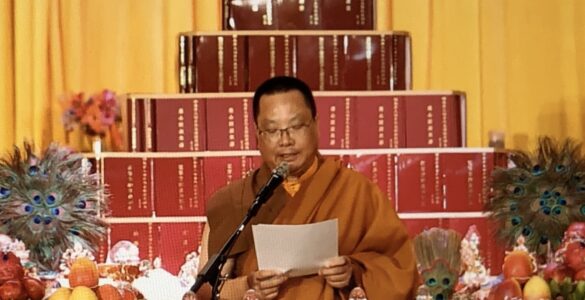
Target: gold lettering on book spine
x,y
180,128
235,62
181,186
143,202
194,203
484,178
438,193
335,81
332,125
369,63
444,120
423,183
470,183
246,125
148,124
195,143
321,63
287,63
395,143
134,126
272,56
347,124
430,128
231,127
383,75
381,131
129,187
220,66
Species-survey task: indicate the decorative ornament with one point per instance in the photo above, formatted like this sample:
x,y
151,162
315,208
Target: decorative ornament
x,y
439,260
50,203
540,195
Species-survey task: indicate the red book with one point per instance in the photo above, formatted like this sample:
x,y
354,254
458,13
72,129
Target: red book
x,y
144,235
466,178
230,124
134,124
297,14
379,169
184,62
178,124
335,122
419,183
248,15
320,61
380,122
400,61
416,226
435,120
129,183
221,171
179,187
220,63
366,63
353,14
176,241
269,56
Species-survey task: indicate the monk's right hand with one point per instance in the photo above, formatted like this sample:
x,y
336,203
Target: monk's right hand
x,y
266,283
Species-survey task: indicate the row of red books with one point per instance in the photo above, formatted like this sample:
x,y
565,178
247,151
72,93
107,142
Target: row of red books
x,y
171,239
298,14
347,120
163,238
239,61
178,184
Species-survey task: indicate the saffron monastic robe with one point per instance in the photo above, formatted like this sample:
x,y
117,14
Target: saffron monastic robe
x,y
370,233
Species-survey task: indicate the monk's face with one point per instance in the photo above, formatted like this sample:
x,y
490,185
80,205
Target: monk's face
x,y
286,131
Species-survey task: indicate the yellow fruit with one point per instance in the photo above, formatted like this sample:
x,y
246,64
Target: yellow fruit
x,y
61,294
536,289
83,293
84,272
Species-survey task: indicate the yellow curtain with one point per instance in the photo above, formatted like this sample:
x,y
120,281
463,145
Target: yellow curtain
x,y
48,48
520,61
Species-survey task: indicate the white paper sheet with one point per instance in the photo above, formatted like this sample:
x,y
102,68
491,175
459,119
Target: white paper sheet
x,y
297,249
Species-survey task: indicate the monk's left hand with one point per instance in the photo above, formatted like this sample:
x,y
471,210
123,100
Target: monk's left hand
x,y
337,271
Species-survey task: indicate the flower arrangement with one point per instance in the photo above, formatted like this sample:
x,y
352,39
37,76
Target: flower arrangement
x,y
96,116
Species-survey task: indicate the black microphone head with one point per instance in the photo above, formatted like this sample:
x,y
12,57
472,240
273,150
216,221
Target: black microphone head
x,y
281,170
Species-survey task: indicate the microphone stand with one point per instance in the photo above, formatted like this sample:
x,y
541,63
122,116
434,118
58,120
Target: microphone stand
x,y
211,272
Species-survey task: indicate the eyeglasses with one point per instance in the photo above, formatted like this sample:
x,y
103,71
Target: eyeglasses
x,y
275,134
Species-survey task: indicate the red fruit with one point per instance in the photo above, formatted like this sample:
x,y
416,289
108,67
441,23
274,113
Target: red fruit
x,y
34,288
557,272
12,290
10,268
518,265
507,289
575,256
575,230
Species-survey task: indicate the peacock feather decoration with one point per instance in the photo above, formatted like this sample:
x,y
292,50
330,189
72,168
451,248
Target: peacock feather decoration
x,y
540,195
50,203
438,260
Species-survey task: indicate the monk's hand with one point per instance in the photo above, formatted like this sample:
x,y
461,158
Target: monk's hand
x,y
266,283
337,271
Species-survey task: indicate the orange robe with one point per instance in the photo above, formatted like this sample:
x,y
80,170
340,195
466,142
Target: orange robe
x,y
370,233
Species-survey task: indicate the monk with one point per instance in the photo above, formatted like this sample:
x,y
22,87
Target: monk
x,y
375,252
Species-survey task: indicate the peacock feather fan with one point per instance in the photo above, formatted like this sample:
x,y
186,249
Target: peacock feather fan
x,y
439,260
50,202
540,195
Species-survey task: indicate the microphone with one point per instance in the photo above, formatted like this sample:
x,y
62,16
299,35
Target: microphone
x,y
277,177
